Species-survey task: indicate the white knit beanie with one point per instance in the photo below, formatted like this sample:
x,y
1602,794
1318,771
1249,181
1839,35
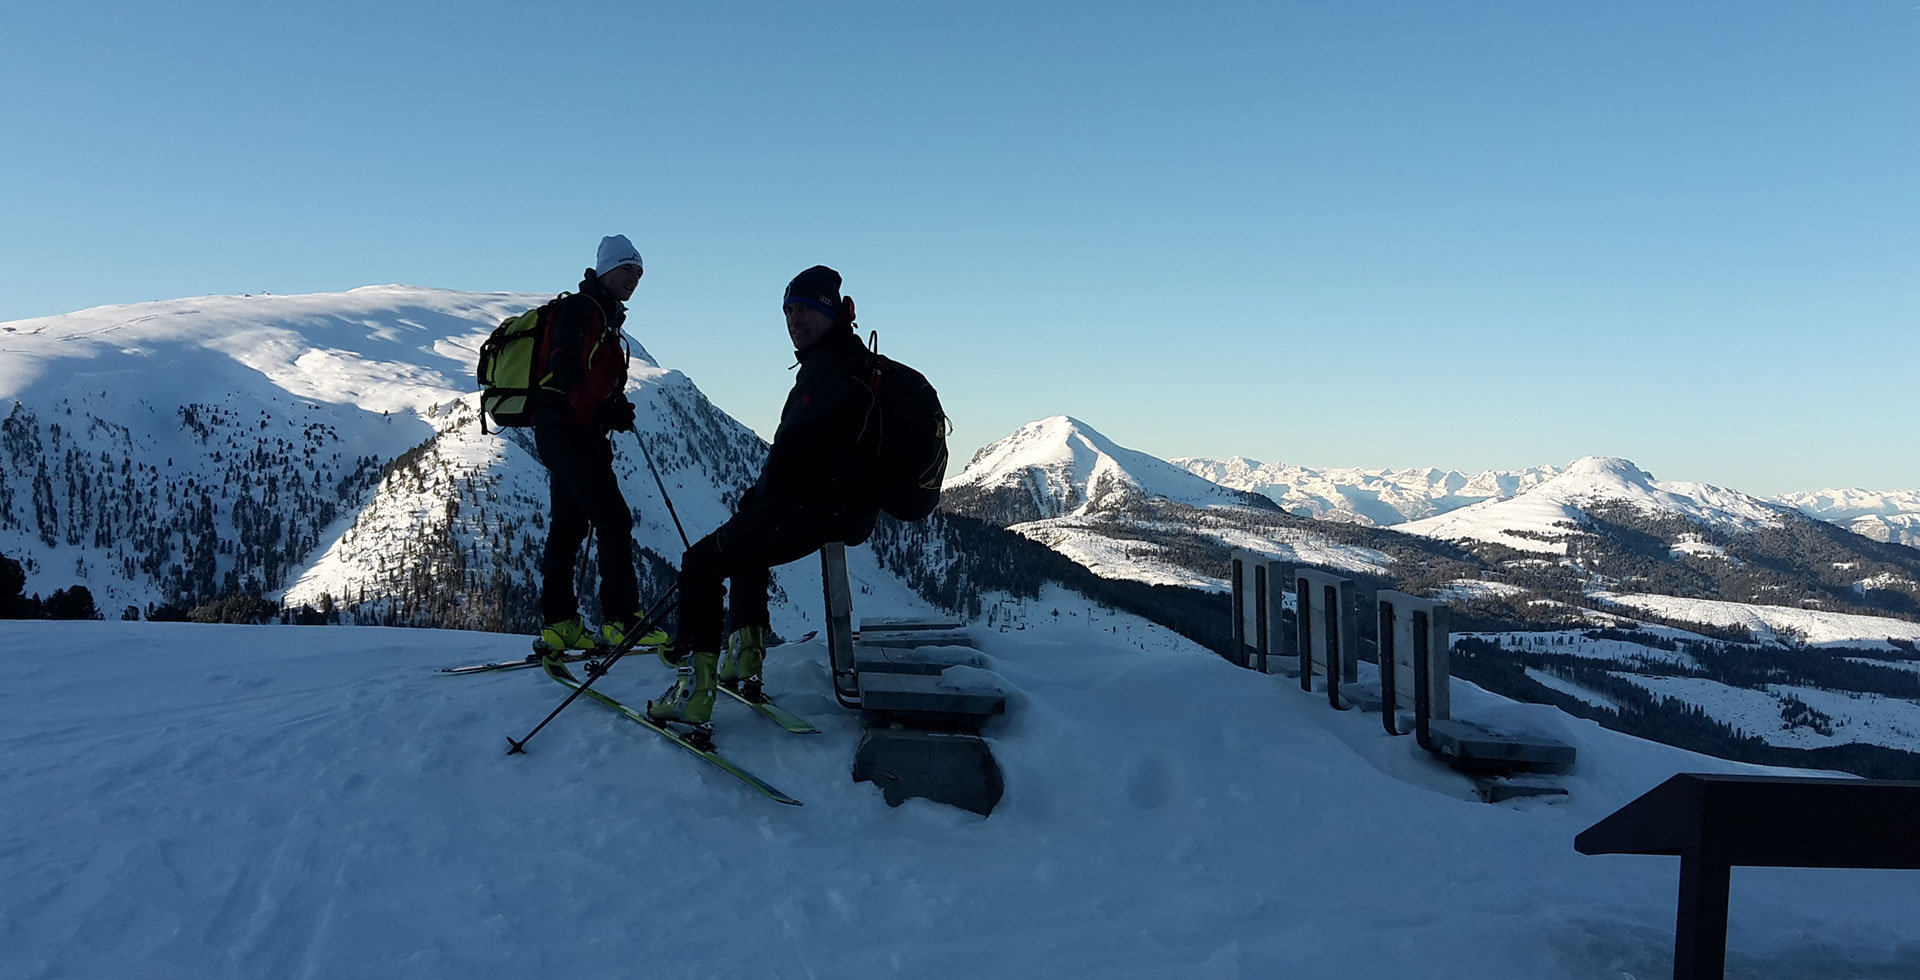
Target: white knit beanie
x,y
616,251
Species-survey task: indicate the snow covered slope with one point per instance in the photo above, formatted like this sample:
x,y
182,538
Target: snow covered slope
x,y
1181,548
1366,496
214,802
1788,624
1060,466
1800,700
195,446
1540,519
1891,516
325,448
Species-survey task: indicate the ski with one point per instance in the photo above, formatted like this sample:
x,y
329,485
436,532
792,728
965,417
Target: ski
x,y
766,708
559,672
532,660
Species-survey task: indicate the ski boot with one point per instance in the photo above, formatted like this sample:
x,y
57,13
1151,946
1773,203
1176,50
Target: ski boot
x,y
690,700
740,665
616,632
558,638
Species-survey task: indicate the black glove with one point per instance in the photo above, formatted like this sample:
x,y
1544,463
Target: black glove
x,y
615,415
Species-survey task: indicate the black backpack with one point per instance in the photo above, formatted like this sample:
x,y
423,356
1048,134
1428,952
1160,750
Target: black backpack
x,y
912,437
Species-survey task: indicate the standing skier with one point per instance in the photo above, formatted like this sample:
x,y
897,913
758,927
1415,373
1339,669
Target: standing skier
x,y
816,486
580,402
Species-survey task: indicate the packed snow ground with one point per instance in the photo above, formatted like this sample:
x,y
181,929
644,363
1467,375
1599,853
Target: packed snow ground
x,y
209,801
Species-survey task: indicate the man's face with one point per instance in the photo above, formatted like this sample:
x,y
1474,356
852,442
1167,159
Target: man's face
x,y
806,325
622,281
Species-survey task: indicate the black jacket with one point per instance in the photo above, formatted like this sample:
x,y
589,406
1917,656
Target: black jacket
x,y
585,357
823,454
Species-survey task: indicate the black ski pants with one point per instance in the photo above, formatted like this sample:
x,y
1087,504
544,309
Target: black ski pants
x,y
762,534
584,493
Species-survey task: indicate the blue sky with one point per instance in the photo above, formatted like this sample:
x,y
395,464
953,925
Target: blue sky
x,y
1382,234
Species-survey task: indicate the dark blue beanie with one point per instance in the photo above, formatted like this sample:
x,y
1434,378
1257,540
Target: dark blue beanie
x,y
818,288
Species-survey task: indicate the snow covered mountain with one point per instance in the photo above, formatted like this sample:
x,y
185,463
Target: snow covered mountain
x,y
1892,516
1605,535
1125,514
1390,498
1060,466
1540,519
1376,497
215,802
325,448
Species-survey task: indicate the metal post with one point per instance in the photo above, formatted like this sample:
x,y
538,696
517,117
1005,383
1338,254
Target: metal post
x,y
1336,637
1235,569
1422,681
1259,655
839,601
1387,647
1303,629
1700,925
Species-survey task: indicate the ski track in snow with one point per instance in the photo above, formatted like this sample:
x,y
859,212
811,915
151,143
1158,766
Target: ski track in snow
x,y
209,801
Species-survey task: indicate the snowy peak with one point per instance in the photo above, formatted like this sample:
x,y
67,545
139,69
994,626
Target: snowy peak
x,y
1376,497
1608,469
1061,466
1541,518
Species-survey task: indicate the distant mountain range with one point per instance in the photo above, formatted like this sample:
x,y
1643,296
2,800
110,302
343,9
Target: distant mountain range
x,y
1598,541
1389,498
1892,516
1542,517
1379,498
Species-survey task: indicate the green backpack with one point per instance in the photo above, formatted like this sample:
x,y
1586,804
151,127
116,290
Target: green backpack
x,y
513,366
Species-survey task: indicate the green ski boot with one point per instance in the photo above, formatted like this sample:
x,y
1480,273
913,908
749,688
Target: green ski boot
x,y
690,700
567,634
615,632
746,654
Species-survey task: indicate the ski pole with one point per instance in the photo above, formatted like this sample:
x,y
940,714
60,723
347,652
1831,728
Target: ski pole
x,y
596,670
663,489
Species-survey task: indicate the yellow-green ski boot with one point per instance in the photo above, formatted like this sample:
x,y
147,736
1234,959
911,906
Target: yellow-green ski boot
x,y
745,656
556,639
616,631
690,700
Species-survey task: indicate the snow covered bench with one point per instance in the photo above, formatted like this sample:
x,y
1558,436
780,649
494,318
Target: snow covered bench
x,y
1328,638
1413,645
1259,590
923,692
1715,822
1415,672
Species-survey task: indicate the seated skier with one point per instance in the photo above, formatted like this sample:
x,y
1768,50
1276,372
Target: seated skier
x,y
816,487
